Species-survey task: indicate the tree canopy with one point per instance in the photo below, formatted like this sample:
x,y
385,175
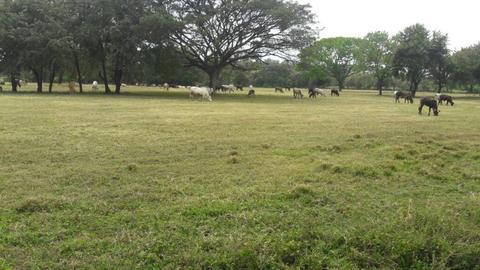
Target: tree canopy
x,y
339,57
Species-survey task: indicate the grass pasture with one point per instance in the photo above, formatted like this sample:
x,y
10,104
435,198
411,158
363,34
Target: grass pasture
x,y
152,180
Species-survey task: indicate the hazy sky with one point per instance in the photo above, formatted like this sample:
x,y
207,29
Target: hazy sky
x,y
355,18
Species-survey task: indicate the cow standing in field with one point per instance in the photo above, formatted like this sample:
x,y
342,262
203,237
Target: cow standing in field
x,y
95,86
334,92
202,92
239,87
297,93
314,92
448,99
407,96
431,104
278,89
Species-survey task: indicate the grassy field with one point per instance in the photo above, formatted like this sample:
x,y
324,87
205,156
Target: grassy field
x,y
152,180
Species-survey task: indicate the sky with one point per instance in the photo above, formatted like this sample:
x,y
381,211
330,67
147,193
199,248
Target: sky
x,y
355,18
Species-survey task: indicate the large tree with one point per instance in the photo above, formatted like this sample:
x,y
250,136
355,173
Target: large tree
x,y
411,59
378,52
440,66
339,57
214,34
38,30
11,41
111,32
467,63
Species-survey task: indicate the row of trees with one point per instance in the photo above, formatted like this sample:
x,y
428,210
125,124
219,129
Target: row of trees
x,y
115,40
212,42
413,55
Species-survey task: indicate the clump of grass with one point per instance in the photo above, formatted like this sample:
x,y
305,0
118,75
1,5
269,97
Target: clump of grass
x,y
338,169
266,146
33,205
365,171
301,192
233,160
399,156
132,167
324,167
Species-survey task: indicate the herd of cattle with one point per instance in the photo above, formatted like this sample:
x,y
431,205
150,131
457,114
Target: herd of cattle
x,y
206,93
430,102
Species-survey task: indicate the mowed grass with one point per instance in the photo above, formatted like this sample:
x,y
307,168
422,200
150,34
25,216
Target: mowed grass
x,y
153,180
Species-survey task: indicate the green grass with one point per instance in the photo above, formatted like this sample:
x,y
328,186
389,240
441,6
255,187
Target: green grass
x,y
153,180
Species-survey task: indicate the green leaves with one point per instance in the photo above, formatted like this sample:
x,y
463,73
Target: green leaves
x,y
338,57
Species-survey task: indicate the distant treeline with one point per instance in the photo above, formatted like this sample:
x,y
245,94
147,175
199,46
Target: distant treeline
x,y
189,42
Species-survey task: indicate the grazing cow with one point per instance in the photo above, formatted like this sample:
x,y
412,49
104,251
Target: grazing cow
x,y
297,93
251,93
314,92
447,98
239,87
334,92
406,95
95,86
18,83
226,88
202,92
71,87
431,104
278,89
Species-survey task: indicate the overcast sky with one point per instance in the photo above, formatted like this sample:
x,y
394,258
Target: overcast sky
x,y
355,18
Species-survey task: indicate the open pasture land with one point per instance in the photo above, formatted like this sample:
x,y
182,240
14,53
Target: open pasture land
x,y
152,180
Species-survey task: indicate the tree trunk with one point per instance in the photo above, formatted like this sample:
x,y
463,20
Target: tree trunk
x,y
415,89
39,79
103,75
13,81
440,87
341,85
118,80
79,72
380,87
52,77
213,79
60,77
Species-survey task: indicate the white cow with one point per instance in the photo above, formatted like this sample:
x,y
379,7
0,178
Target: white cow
x,y
202,92
95,86
321,92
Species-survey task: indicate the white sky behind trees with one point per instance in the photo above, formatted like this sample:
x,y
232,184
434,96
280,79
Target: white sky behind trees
x,y
355,18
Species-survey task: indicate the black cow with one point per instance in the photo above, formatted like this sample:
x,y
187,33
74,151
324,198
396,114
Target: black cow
x,y
431,104
334,92
278,89
447,98
407,96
